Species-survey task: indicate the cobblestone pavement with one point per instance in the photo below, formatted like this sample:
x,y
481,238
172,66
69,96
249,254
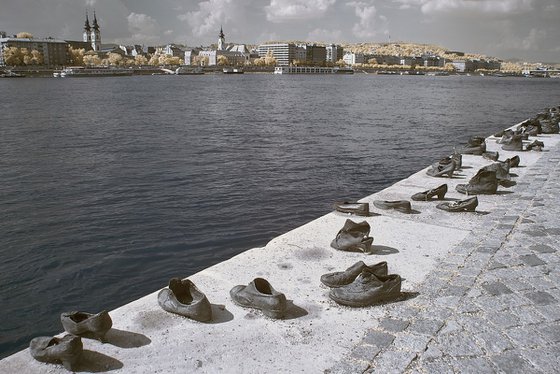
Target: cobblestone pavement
x,y
492,305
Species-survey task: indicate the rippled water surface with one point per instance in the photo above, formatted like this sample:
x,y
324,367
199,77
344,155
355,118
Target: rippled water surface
x,y
110,186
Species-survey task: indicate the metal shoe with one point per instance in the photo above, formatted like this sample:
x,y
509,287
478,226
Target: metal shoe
x,y
440,170
467,205
184,298
484,182
342,278
368,289
513,162
502,173
86,324
514,143
427,195
260,294
353,237
493,156
360,209
399,205
66,350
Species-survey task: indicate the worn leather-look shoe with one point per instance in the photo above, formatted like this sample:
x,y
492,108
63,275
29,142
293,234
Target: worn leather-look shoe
x,y
86,324
467,205
484,182
368,289
514,143
439,191
66,350
342,278
402,206
260,294
440,170
536,145
359,209
184,298
353,237
493,156
502,173
513,162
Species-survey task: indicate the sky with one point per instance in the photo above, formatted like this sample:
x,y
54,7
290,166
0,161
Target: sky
x,y
528,30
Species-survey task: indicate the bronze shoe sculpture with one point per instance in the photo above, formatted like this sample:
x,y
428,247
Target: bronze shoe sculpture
x,y
368,289
515,143
484,182
66,350
536,145
440,170
439,191
513,162
259,294
86,324
493,156
360,209
398,205
502,173
475,146
353,237
342,278
467,205
185,299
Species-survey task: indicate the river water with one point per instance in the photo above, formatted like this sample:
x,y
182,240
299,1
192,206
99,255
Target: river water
x,y
111,186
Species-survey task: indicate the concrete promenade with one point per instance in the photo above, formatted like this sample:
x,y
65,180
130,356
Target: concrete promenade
x,y
480,293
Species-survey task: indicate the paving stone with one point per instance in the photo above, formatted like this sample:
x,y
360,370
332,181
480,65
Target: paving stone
x,y
550,312
392,361
425,326
496,288
393,325
458,345
410,342
528,314
512,362
493,342
540,297
439,366
553,231
365,352
542,248
474,365
378,338
347,367
532,260
549,331
545,358
525,337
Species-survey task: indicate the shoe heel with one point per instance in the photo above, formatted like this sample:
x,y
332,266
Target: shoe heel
x,y
441,195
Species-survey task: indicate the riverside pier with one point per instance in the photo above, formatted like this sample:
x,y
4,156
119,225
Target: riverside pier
x,y
481,293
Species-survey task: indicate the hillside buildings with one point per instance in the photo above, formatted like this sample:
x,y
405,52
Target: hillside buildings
x,y
235,55
54,52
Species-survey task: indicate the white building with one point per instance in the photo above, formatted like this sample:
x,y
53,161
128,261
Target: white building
x,y
351,58
236,54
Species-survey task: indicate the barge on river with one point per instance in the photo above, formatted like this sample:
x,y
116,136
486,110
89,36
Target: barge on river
x,y
81,71
311,70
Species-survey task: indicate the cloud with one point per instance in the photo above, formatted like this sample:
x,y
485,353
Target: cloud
x,y
90,3
323,35
369,23
286,10
478,6
143,27
208,17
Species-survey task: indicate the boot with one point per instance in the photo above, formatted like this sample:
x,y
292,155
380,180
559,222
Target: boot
x,y
515,143
484,182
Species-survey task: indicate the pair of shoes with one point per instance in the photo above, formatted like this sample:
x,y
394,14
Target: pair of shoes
x,y
513,143
367,289
259,294
535,146
467,205
398,205
440,169
353,237
86,324
502,173
184,298
493,156
550,126
359,209
427,195
475,146
66,350
342,278
484,182
456,157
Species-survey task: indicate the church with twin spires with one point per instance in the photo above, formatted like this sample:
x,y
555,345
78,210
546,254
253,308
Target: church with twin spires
x,y
92,34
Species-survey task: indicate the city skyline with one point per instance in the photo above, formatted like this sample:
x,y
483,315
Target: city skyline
x,y
524,29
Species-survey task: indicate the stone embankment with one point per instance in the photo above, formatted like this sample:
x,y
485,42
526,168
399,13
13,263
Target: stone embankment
x,y
481,293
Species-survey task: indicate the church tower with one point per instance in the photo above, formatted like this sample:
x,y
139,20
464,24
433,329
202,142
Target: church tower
x,y
221,40
87,30
95,34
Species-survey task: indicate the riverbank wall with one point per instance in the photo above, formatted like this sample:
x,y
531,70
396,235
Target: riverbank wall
x,y
318,335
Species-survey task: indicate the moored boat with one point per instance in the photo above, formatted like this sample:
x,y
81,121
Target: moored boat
x,y
81,71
